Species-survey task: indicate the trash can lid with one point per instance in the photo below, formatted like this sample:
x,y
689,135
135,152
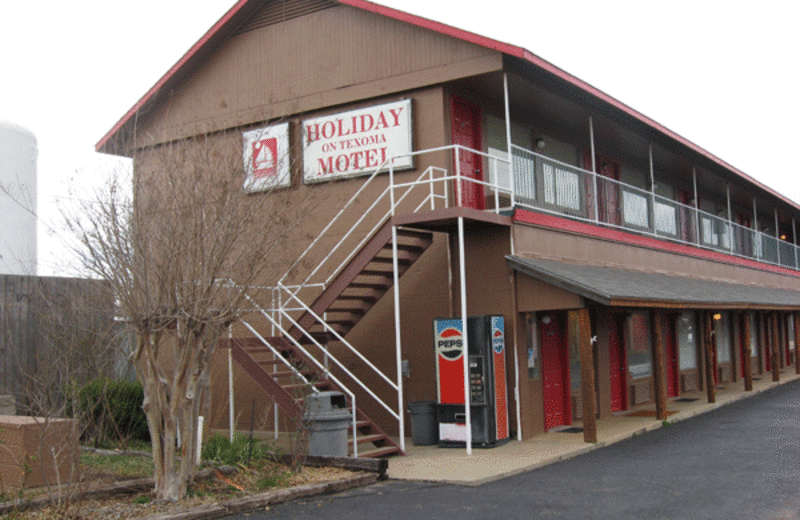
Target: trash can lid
x,y
325,402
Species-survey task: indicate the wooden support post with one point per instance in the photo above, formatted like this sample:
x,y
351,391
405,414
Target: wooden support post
x,y
776,360
747,351
796,342
708,327
658,365
588,393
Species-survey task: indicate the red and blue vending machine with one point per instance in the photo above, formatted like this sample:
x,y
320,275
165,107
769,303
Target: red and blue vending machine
x,y
487,381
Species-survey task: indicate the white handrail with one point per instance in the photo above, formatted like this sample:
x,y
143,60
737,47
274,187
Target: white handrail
x,y
367,236
277,353
335,360
340,338
325,230
327,373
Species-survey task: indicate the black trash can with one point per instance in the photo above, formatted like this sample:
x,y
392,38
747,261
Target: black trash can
x,y
424,425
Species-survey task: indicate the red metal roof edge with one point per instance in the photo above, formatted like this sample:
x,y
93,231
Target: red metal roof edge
x,y
171,72
461,34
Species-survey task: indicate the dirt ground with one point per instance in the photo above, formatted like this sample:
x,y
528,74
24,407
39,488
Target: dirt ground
x,y
257,478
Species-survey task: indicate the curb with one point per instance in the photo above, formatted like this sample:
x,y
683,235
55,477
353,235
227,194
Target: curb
x,y
241,505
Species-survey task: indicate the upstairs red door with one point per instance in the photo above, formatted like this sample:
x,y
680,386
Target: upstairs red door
x,y
671,357
617,367
555,372
687,226
607,189
466,129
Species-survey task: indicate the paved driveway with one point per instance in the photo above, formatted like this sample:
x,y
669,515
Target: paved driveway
x,y
739,461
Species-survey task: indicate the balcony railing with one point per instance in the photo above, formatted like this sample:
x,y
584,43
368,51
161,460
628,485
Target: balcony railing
x,y
544,184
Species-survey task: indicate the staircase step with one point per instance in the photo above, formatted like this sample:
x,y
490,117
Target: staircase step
x,y
352,308
367,438
269,362
379,452
305,372
370,285
376,272
359,425
388,261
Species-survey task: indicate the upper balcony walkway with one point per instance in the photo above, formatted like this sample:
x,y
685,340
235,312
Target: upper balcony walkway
x,y
543,184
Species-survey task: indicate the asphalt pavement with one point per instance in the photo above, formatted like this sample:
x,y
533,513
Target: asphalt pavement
x,y
740,461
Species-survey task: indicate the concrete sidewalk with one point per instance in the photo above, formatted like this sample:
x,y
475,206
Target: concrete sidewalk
x,y
454,466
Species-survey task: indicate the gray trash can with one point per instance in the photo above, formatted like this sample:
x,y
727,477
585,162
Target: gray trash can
x,y
328,418
424,427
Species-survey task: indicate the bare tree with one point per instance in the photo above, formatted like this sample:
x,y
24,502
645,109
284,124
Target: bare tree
x,y
180,253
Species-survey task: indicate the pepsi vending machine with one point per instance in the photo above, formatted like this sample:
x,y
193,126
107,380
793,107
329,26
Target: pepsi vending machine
x,y
487,381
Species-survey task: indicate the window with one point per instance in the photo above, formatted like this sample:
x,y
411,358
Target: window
x,y
635,207
533,348
638,343
573,338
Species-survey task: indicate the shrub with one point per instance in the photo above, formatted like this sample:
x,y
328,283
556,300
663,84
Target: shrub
x,y
111,412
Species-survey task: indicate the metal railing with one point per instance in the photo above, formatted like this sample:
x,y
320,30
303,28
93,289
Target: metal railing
x,y
548,185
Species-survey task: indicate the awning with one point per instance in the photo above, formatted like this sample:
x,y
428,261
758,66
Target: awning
x,y
626,288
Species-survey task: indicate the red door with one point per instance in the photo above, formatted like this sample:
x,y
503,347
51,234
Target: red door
x,y
767,328
671,356
607,190
686,216
555,372
744,239
617,366
466,129
744,344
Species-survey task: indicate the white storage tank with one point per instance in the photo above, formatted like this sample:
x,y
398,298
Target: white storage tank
x,y
18,153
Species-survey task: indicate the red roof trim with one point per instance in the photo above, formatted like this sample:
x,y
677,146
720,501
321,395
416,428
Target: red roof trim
x,y
171,72
616,235
461,34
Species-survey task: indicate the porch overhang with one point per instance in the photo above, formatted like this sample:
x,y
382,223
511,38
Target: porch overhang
x,y
617,287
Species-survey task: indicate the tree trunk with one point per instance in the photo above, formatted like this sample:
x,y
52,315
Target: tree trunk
x,y
172,403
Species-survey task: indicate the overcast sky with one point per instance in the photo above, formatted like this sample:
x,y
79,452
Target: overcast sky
x,y
722,74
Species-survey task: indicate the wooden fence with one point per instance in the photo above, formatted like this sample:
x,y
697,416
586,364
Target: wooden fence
x,y
53,331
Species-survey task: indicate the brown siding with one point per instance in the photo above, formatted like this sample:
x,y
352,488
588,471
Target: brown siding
x,y
533,242
327,58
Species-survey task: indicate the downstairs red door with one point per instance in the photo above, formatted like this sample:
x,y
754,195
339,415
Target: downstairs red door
x,y
555,372
617,367
671,357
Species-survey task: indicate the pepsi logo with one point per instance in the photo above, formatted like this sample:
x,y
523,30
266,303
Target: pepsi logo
x,y
497,341
449,344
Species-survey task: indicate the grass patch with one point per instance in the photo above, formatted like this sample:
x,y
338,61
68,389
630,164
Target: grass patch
x,y
271,481
119,464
